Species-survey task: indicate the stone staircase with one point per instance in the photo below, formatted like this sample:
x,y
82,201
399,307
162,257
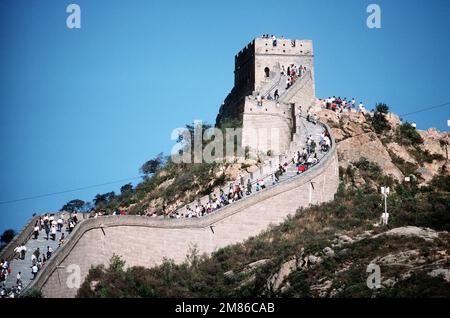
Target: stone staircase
x,y
24,266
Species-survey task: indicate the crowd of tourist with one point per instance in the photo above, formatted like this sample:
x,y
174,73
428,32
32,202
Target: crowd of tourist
x,y
340,105
96,213
48,226
292,73
302,161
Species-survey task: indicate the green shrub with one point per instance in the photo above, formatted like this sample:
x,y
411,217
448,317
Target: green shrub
x,y
407,135
379,121
425,286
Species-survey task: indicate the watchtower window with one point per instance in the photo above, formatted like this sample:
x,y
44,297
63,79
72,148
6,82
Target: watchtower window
x,y
267,71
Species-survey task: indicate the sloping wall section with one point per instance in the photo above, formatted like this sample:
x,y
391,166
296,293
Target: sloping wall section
x,y
143,241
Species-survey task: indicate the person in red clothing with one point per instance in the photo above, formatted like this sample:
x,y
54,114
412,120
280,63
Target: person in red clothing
x,y
301,168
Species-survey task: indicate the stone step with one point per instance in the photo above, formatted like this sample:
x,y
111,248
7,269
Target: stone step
x,y
24,266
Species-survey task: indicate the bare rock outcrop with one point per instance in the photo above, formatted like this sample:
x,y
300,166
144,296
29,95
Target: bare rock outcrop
x,y
369,146
424,233
433,141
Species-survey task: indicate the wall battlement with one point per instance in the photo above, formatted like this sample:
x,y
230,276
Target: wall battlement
x,y
283,47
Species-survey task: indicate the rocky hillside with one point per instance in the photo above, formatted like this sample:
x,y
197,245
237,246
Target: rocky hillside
x,y
399,149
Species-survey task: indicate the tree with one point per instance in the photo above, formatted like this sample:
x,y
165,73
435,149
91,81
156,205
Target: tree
x,y
7,236
408,135
74,205
379,121
87,207
100,200
126,189
193,129
151,166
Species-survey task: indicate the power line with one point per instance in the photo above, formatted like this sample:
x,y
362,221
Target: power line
x,y
425,109
68,191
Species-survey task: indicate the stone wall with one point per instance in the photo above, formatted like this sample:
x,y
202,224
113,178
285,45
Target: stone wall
x,y
267,127
143,241
302,92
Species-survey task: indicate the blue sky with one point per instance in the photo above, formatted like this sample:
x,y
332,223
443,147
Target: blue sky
x,y
88,106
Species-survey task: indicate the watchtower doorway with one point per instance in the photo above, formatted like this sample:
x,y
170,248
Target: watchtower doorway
x,y
267,72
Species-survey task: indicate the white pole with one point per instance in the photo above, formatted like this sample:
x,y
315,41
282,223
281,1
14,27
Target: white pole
x,y
310,192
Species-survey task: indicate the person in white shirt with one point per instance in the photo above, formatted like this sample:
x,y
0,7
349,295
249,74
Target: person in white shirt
x,y
53,232
34,270
19,279
23,250
60,224
17,251
71,226
259,100
36,232
49,252
33,258
262,184
361,107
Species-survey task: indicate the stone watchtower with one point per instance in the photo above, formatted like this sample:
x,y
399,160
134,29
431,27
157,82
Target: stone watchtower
x,y
260,71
